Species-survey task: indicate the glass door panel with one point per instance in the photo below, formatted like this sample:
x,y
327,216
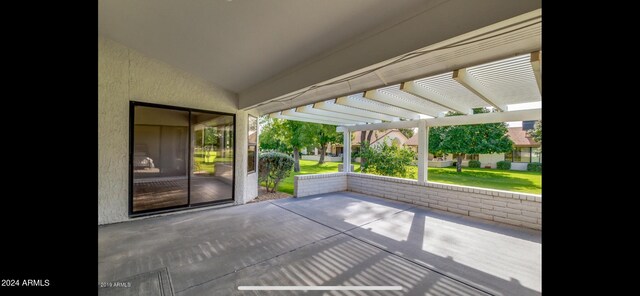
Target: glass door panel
x,y
160,158
212,170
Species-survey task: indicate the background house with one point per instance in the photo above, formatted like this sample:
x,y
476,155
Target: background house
x,y
392,136
526,149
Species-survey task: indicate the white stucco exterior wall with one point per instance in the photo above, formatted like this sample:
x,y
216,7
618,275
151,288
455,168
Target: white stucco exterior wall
x,y
252,186
126,75
246,184
490,159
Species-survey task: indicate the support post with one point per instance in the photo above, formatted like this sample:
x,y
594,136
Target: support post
x,y
346,150
423,151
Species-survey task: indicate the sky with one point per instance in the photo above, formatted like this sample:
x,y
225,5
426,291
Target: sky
x,y
523,106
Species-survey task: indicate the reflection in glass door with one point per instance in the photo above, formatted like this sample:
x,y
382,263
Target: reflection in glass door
x,y
160,178
179,158
212,170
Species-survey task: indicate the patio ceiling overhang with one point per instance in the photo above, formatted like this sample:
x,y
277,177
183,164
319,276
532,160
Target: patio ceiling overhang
x,y
503,85
501,70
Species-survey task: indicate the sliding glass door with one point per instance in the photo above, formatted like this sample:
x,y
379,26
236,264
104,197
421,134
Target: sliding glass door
x,y
179,158
212,171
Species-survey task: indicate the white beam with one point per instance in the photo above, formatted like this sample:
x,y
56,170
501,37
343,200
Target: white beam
x,y
333,107
536,64
520,115
380,126
368,105
346,150
434,97
384,98
279,115
292,112
423,151
311,110
465,79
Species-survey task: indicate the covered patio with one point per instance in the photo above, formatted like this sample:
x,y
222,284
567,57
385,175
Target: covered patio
x,y
333,239
362,65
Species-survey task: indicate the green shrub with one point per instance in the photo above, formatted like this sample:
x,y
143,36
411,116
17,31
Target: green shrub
x,y
387,160
273,167
503,165
474,163
534,167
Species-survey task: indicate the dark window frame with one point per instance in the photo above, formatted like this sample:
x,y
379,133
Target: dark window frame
x,y
511,156
132,214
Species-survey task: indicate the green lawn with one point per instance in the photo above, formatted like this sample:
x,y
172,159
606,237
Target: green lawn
x,y
206,162
308,167
518,181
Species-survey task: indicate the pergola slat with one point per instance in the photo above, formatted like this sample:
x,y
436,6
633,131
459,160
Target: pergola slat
x,y
367,104
292,112
329,114
385,98
465,79
333,107
433,97
280,116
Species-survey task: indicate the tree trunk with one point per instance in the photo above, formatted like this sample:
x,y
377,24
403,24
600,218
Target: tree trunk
x,y
269,188
323,150
459,163
296,158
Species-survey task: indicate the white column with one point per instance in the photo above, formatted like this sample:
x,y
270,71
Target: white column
x,y
346,151
423,151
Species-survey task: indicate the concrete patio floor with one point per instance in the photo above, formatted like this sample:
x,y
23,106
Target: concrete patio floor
x,y
334,239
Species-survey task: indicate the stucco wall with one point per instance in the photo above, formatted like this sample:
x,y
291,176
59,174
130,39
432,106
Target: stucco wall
x,y
246,184
490,159
519,166
126,75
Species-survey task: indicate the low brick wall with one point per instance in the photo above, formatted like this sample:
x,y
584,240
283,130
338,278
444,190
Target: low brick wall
x,y
501,206
517,209
305,185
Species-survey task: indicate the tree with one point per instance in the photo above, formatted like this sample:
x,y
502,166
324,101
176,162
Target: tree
x,y
323,134
299,135
273,136
289,136
536,132
407,132
470,139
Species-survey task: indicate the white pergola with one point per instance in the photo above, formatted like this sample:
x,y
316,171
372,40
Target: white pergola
x,y
497,67
504,86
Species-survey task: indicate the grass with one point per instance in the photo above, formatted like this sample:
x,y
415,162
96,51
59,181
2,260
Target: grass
x,y
517,181
207,162
308,167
